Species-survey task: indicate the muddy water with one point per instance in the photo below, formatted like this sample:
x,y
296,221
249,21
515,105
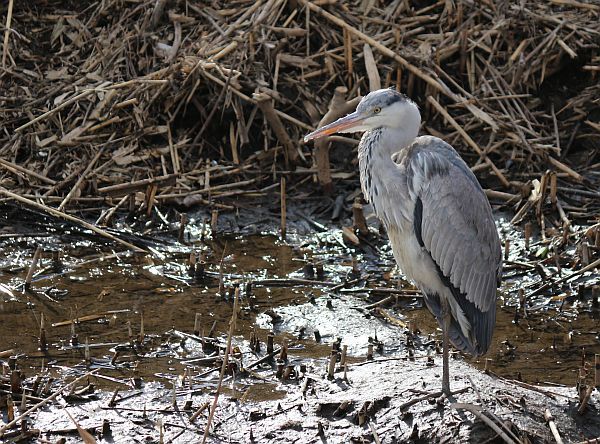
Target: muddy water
x,y
111,297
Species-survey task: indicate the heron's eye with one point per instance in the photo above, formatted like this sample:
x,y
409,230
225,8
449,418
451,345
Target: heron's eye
x,y
376,110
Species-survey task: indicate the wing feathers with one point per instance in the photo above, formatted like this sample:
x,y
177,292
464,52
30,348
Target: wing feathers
x,y
456,224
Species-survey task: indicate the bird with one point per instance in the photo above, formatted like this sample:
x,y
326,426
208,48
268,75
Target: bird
x,y
437,217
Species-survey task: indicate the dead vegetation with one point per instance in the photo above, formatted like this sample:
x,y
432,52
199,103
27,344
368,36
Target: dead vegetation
x,y
120,106
126,108
193,103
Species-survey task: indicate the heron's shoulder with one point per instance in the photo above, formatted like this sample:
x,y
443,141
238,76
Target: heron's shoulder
x,y
419,145
433,144
428,155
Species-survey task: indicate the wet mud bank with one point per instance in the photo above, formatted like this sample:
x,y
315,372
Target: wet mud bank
x,y
330,344
384,400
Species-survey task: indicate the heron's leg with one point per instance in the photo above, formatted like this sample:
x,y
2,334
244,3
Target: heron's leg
x,y
446,345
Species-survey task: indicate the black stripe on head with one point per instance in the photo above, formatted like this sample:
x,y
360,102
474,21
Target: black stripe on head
x,y
382,98
393,96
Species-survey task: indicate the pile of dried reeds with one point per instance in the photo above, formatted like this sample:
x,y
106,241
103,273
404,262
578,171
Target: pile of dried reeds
x,y
189,102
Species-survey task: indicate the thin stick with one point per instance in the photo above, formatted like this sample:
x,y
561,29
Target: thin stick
x,y
7,32
468,139
283,208
374,432
44,402
173,151
76,186
438,86
251,100
53,111
224,366
561,166
125,188
107,216
265,103
371,67
493,194
476,410
36,258
550,420
10,165
597,370
56,213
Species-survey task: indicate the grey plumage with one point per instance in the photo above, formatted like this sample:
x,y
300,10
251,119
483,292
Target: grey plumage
x,y
437,217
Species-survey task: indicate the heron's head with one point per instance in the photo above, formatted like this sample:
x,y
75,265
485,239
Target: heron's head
x,y
383,108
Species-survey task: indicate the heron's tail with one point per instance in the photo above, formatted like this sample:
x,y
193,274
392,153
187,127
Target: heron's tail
x,y
481,326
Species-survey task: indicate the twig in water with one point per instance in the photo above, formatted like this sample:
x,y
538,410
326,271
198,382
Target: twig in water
x,y
36,258
44,402
283,208
56,213
224,366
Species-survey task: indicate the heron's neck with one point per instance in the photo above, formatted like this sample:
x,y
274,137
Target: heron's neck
x,y
376,166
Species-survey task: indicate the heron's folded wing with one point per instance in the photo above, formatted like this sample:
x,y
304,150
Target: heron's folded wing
x,y
457,227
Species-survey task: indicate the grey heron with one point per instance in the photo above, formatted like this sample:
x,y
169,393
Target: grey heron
x,y
436,215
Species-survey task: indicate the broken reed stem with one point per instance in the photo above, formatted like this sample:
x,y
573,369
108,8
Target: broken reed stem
x,y
585,400
528,229
265,103
550,420
150,195
597,371
338,107
214,222
553,185
45,401
36,258
7,353
344,353
199,411
142,334
157,13
42,339
106,217
197,324
13,166
59,214
331,366
283,208
182,222
371,68
359,218
224,365
374,432
128,187
7,32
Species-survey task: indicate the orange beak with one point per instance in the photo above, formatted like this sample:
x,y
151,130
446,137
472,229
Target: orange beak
x,y
340,125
